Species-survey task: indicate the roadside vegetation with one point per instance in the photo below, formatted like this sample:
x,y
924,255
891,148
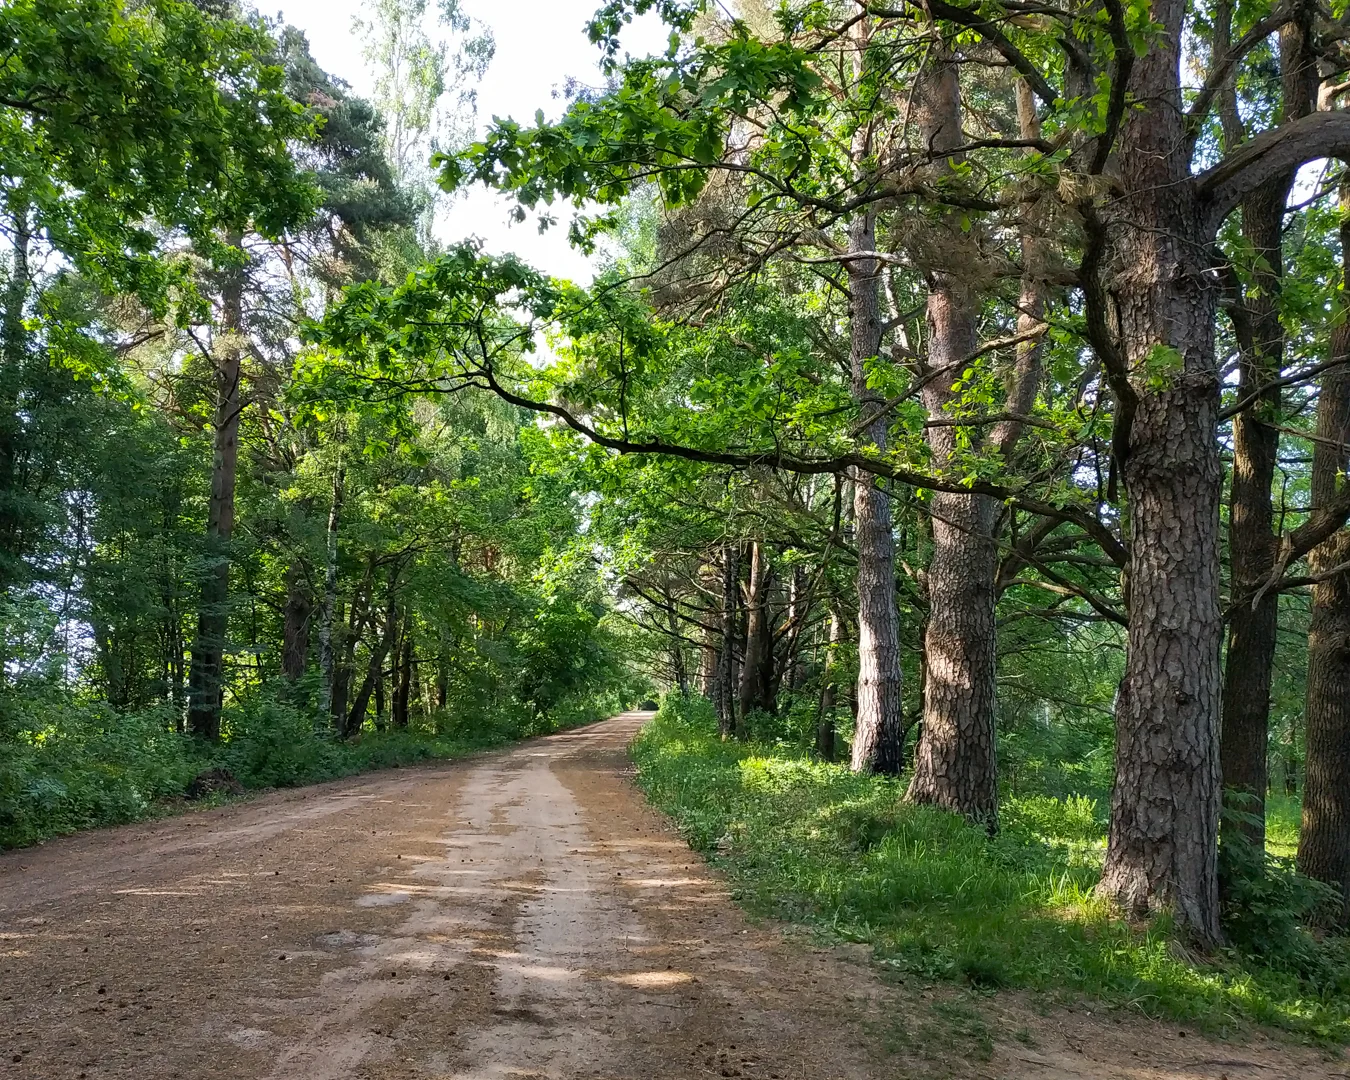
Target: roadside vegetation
x,y
939,899
96,767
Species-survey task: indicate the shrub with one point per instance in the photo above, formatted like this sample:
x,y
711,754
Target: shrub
x,y
937,898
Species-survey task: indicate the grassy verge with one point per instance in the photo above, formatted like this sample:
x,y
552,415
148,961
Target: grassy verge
x,y
98,767
812,843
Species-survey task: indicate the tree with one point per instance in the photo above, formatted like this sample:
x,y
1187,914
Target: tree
x,y
413,76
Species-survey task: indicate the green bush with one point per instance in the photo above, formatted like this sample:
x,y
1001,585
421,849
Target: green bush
x,y
936,898
67,765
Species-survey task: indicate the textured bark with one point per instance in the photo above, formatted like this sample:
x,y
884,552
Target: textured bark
x,y
1162,850
678,669
755,626
1252,543
374,669
794,671
1324,840
330,598
707,664
352,634
878,730
955,766
295,623
205,679
829,692
15,337
726,660
757,670
403,676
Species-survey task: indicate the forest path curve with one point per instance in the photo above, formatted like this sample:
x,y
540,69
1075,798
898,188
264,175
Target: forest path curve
x,y
518,914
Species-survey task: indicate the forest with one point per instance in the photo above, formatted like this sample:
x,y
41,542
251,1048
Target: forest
x,y
954,437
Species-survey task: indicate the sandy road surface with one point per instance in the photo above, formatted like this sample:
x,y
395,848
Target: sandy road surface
x,y
521,914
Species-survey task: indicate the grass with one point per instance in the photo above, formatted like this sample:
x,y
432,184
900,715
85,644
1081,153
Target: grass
x,y
1282,821
936,899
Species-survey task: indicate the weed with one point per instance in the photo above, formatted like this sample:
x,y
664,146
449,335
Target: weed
x,y
811,842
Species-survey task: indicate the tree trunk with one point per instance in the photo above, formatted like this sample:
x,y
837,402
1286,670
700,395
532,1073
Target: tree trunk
x,y
1162,851
794,671
1252,542
726,666
756,634
356,627
878,727
295,623
829,691
374,668
206,677
327,671
707,665
403,676
1324,840
878,730
955,766
15,343
678,669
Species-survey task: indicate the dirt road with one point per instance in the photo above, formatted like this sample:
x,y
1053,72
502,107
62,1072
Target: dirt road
x,y
521,914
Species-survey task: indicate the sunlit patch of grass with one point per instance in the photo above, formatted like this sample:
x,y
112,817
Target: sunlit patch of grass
x,y
1282,822
938,899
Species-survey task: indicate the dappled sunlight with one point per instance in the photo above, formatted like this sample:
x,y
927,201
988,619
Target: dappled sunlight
x,y
651,980
544,971
668,883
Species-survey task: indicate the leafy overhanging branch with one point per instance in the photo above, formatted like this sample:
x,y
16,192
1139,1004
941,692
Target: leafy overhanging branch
x,y
453,316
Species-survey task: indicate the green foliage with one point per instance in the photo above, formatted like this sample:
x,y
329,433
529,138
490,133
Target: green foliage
x,y
66,765
114,115
1269,908
939,899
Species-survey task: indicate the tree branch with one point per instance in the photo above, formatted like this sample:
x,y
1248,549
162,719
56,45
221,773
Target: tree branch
x,y
1272,153
1219,73
987,29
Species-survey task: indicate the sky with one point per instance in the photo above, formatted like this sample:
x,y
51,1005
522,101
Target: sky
x,y
540,45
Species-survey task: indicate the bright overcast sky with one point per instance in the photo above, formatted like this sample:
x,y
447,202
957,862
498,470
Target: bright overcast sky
x,y
540,45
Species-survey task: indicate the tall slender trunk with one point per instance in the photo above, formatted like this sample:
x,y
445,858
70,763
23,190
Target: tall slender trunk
x,y
206,677
879,725
15,337
829,689
707,664
726,661
955,766
374,667
677,665
1252,629
1162,852
756,631
327,671
352,634
1324,840
403,676
878,730
295,622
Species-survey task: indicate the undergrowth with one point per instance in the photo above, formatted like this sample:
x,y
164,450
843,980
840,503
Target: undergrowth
x,y
66,766
937,899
